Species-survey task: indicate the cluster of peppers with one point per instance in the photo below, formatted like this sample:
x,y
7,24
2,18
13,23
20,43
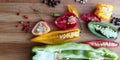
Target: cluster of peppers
x,y
68,32
102,12
67,23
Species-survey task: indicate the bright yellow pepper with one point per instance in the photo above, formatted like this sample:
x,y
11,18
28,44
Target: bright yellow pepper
x,y
58,36
104,11
73,10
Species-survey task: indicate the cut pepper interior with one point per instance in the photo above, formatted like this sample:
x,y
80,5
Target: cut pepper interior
x,y
40,28
104,11
67,21
58,36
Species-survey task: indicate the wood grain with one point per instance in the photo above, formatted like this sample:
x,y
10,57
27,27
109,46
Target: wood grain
x,y
16,45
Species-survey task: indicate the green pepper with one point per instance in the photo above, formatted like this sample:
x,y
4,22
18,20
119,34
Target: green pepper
x,y
55,14
72,51
102,30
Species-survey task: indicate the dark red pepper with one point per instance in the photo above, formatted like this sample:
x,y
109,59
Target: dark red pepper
x,y
89,17
66,21
102,43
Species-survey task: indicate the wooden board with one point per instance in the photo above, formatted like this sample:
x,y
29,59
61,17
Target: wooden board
x,y
16,45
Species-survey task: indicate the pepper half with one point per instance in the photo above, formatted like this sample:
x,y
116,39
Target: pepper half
x,y
104,11
58,36
72,51
89,18
103,30
41,28
102,43
67,21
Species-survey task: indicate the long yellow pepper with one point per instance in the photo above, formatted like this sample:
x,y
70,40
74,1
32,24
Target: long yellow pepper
x,y
58,36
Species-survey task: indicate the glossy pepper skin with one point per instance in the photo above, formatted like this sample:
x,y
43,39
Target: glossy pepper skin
x,y
102,43
66,21
58,36
73,10
103,30
89,17
72,51
104,11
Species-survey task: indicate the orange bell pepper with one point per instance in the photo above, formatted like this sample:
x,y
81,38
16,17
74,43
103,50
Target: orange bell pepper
x,y
104,11
40,28
58,36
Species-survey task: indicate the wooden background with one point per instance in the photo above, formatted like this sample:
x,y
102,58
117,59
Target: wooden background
x,y
16,45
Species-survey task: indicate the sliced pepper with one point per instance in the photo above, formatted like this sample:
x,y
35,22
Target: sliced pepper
x,y
58,36
67,21
72,51
89,18
102,43
104,11
102,30
41,28
75,11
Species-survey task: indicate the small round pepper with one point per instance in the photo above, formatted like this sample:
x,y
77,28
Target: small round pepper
x,y
40,28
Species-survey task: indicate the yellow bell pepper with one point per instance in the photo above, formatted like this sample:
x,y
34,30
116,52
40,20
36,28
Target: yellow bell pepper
x,y
58,36
104,11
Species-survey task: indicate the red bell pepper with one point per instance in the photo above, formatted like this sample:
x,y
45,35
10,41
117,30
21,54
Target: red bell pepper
x,y
89,17
66,21
102,43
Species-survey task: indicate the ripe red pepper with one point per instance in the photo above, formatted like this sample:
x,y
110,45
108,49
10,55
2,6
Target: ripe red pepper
x,y
66,21
102,43
90,17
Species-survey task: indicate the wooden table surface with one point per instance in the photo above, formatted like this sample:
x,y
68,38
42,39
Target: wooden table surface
x,y
16,45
